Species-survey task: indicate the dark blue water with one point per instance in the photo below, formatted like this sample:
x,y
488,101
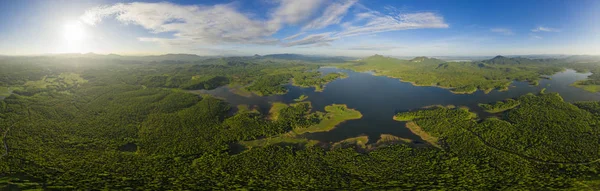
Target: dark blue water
x,y
378,98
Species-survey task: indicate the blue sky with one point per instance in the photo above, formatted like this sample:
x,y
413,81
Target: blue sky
x,y
323,27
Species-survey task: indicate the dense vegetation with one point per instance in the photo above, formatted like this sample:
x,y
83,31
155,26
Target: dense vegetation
x,y
460,77
255,74
592,84
500,106
314,79
114,124
544,138
301,120
585,65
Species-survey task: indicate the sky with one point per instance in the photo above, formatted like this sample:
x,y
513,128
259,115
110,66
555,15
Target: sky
x,y
315,27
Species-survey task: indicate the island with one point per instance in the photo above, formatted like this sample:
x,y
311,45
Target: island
x,y
301,98
298,115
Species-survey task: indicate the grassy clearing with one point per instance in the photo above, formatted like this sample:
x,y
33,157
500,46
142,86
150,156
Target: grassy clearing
x,y
240,90
4,91
387,138
275,108
415,129
244,108
301,98
590,88
360,141
336,114
71,79
586,185
62,80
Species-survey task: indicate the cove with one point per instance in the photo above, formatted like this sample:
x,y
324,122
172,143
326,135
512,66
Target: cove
x,y
378,98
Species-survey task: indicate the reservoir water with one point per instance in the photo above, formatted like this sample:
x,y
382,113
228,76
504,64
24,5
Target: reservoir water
x,y
378,98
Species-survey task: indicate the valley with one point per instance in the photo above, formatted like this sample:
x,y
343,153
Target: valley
x,y
238,121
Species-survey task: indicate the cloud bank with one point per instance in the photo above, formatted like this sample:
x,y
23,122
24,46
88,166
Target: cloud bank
x,y
544,29
192,25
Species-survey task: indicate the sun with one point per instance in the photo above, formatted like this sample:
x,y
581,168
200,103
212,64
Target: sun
x,y
75,38
74,31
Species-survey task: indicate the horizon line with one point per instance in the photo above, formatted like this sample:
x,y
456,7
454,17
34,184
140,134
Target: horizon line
x,y
248,55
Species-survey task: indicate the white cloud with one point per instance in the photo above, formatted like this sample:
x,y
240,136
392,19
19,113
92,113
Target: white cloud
x,y
377,22
191,24
321,38
294,11
544,29
503,31
371,22
333,14
534,36
294,36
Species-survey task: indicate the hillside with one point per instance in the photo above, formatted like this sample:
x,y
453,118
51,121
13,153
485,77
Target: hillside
x,y
460,77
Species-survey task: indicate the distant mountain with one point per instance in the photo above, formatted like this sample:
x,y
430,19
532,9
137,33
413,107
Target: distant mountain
x,y
415,60
540,56
377,57
175,57
501,60
308,58
426,60
583,58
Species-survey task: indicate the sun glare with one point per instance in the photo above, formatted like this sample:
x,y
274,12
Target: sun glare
x,y
75,38
73,31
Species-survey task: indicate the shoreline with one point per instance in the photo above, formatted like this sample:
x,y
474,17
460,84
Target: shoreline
x,y
485,91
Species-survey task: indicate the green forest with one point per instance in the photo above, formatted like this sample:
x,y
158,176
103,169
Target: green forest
x,y
467,77
500,106
108,124
543,138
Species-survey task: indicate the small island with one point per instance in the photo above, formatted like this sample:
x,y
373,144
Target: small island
x,y
298,115
335,114
301,98
316,80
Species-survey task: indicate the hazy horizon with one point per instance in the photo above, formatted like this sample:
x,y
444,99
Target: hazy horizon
x,y
291,53
355,28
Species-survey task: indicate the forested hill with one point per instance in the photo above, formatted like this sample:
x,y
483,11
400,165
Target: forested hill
x,y
308,58
105,124
510,61
466,77
423,59
100,125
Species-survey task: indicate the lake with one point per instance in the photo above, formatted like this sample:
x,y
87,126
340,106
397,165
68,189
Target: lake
x,y
378,98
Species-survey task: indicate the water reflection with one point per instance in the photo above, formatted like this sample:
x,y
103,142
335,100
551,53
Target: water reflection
x,y
378,98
